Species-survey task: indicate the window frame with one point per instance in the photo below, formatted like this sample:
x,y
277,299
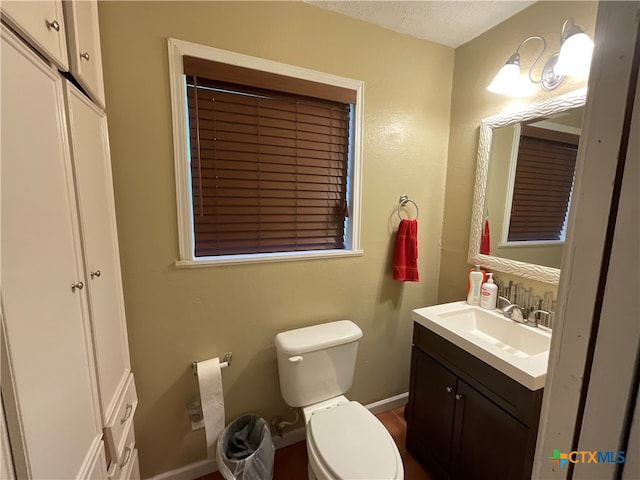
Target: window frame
x,y
176,50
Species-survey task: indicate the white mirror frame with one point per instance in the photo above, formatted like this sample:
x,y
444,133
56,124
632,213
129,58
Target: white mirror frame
x,y
514,267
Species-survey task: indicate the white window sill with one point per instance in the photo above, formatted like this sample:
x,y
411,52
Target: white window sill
x,y
266,258
531,243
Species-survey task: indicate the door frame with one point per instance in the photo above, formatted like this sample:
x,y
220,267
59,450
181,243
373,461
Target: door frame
x,y
583,289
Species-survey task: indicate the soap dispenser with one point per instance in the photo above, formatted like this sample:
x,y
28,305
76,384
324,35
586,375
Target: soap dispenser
x,y
489,294
475,283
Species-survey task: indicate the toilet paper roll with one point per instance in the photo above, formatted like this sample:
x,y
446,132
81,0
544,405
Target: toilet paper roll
x,y
212,400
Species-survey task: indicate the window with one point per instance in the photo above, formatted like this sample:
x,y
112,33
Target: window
x,y
543,183
267,158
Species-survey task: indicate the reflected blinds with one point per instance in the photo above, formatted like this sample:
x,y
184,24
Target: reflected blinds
x,y
543,182
268,168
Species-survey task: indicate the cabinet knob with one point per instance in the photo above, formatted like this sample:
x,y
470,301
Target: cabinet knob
x,y
449,389
459,396
85,55
97,273
78,285
55,25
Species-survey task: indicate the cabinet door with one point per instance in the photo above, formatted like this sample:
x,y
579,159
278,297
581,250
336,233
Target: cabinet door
x,y
42,24
92,167
45,319
97,469
6,458
488,442
85,56
431,410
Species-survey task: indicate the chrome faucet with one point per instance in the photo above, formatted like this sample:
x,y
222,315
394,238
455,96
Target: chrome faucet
x,y
532,320
515,312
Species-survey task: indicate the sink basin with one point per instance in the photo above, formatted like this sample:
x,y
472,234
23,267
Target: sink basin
x,y
516,350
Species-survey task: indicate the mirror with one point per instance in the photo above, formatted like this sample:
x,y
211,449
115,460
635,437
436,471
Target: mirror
x,y
521,154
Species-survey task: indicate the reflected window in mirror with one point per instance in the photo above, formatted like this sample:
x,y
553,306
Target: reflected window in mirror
x,y
531,173
542,185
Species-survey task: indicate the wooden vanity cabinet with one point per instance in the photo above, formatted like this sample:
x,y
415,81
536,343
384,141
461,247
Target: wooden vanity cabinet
x,y
466,419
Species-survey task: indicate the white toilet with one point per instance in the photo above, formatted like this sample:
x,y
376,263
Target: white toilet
x,y
345,441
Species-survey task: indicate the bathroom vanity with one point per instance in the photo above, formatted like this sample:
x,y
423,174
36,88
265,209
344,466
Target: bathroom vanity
x,y
465,417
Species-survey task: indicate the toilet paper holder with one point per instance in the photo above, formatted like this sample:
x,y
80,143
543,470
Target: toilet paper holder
x,y
226,362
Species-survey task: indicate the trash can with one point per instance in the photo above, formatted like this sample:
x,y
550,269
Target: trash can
x,y
245,450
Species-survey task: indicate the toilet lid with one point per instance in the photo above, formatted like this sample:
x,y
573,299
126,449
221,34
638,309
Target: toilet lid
x,y
352,443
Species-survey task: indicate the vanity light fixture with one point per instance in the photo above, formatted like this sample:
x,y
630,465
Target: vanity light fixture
x,y
574,59
575,52
509,82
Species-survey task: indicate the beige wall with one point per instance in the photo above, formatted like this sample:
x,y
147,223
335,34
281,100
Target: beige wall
x,y
179,315
475,65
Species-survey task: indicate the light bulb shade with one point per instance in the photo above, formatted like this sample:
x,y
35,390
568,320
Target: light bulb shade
x,y
507,80
575,55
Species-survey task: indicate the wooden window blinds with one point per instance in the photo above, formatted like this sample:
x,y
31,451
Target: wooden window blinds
x,y
543,182
269,166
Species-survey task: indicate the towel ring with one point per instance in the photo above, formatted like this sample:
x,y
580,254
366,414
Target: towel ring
x,y
402,201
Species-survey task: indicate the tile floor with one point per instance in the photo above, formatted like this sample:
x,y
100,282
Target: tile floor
x,y
291,461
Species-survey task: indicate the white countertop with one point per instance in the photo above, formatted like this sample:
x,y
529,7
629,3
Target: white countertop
x,y
518,351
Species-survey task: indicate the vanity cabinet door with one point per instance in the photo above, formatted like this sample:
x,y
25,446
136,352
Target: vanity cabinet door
x,y
488,442
431,411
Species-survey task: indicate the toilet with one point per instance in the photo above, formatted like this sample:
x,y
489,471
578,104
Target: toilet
x,y
345,441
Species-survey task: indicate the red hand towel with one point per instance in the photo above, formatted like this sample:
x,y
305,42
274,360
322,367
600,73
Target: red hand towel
x,y
405,259
485,242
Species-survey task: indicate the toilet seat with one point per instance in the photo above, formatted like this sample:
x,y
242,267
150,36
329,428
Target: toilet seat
x,y
349,442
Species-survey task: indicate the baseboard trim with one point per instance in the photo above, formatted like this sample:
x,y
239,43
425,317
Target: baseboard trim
x,y
189,472
205,467
390,403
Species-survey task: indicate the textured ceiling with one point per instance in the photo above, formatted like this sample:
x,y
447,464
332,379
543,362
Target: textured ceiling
x,y
450,23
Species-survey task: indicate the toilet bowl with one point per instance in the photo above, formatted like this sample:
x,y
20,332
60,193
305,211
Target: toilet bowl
x,y
345,441
348,442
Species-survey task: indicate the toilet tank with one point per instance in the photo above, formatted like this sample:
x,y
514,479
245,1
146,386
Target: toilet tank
x,y
316,363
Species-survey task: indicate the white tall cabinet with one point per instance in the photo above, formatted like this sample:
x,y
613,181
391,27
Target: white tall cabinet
x,y
46,320
67,388
96,210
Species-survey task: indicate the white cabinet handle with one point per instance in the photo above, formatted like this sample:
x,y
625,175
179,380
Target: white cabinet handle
x,y
296,359
78,285
55,25
97,273
85,55
127,413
